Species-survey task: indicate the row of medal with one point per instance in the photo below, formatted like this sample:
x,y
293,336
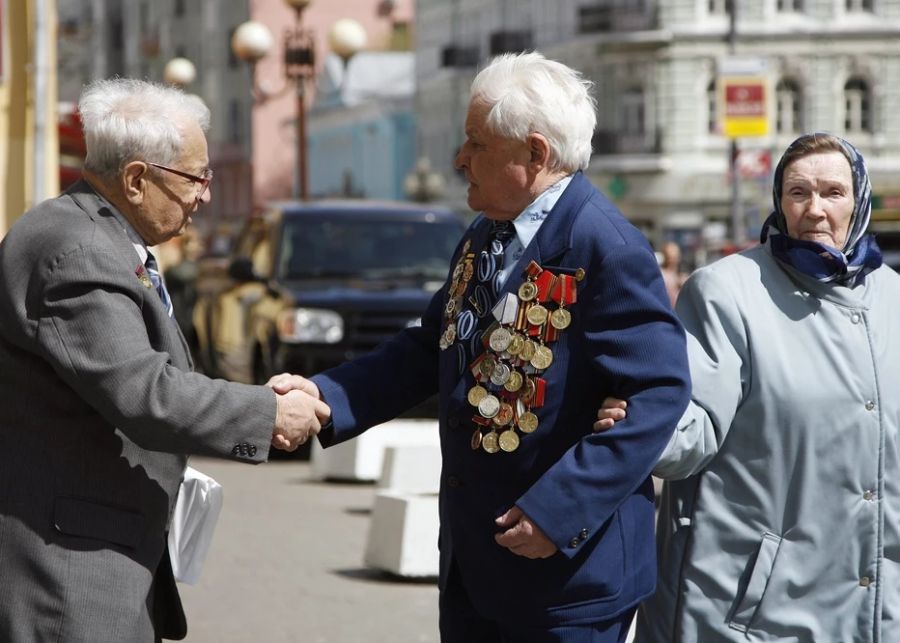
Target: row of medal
x,y
508,383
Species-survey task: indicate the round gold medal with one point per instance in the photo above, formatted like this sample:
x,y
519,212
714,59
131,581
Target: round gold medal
x,y
528,390
489,406
527,291
560,319
542,359
487,366
528,349
514,383
516,342
475,442
476,394
537,315
509,441
528,422
490,442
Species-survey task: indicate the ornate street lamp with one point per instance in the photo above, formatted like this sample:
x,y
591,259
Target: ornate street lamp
x,y
423,184
179,72
252,41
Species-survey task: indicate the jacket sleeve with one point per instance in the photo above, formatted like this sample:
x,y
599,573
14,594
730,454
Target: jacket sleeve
x,y
720,371
92,331
635,344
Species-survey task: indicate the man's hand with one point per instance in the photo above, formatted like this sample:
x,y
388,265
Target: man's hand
x,y
284,382
612,411
298,417
522,536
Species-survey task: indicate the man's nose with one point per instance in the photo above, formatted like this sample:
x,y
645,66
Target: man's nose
x,y
206,197
460,162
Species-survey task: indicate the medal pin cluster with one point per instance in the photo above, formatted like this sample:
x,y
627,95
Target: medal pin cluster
x,y
459,282
508,383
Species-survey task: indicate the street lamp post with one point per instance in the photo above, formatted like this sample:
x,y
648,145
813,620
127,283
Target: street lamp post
x,y
252,41
179,72
423,184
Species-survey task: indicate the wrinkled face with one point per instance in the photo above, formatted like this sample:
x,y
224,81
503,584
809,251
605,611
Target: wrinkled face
x,y
496,168
817,198
171,199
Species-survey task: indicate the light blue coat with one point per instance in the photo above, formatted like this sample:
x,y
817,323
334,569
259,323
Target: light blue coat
x,y
781,517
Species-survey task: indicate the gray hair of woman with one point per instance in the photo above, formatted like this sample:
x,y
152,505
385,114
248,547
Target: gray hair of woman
x,y
528,93
125,119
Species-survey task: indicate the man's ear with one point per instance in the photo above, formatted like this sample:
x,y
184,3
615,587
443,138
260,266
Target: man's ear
x,y
539,148
134,182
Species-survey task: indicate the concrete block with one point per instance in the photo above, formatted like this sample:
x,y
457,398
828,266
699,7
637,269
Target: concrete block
x,y
411,468
362,458
403,534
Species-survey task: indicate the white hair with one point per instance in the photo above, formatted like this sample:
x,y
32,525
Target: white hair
x,y
528,93
125,119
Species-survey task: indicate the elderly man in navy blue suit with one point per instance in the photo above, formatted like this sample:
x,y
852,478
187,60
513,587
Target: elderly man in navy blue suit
x,y
552,302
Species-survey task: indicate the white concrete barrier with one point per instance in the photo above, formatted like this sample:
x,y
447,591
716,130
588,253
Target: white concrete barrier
x,y
403,534
362,458
411,468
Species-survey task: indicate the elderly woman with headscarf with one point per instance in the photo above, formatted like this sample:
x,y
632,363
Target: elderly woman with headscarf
x,y
780,517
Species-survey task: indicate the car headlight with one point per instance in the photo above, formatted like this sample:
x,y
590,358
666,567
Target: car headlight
x,y
310,325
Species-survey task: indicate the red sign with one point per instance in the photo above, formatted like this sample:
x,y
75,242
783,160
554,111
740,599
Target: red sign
x,y
745,100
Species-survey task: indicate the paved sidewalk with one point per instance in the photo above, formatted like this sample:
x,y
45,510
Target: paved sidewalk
x,y
286,566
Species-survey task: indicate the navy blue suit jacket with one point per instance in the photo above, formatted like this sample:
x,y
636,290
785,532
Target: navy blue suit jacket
x,y
590,493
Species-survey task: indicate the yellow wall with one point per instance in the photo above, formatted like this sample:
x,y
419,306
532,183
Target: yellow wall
x,y
17,139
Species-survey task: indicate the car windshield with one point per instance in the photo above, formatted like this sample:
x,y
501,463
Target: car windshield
x,y
373,249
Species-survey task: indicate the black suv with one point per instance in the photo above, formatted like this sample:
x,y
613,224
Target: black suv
x,y
312,284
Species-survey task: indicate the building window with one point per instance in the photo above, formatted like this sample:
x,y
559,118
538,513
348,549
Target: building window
x,y
857,106
712,116
179,8
633,112
859,5
787,106
789,5
718,7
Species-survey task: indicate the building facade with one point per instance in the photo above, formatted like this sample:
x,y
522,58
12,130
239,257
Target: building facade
x,y
29,165
659,151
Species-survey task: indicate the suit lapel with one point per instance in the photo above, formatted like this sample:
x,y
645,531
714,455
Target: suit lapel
x,y
554,237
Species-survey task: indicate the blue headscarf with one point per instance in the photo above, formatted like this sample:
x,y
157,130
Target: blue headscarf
x,y
848,265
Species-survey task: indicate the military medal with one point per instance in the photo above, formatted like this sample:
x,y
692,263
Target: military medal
x,y
490,442
142,276
509,441
516,348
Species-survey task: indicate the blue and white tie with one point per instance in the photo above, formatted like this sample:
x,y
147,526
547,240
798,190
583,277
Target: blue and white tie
x,y
158,283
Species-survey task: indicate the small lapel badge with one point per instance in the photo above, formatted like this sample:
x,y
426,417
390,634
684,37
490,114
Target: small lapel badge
x,y
143,277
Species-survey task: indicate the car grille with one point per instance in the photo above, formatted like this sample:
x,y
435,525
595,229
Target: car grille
x,y
363,331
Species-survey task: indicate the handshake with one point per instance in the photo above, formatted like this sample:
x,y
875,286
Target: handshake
x,y
300,413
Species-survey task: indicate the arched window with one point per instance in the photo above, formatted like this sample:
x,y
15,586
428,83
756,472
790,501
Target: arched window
x,y
789,5
712,116
788,104
857,106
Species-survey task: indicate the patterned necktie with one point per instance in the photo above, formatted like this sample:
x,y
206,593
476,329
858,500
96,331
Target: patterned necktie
x,y
157,281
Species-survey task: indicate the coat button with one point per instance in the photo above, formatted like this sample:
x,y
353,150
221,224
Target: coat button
x,y
583,535
252,450
573,543
855,318
870,405
869,494
865,581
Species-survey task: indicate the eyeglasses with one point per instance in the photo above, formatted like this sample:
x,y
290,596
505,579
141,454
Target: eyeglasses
x,y
204,180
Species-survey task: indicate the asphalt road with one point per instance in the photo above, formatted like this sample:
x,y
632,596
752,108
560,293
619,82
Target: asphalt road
x,y
286,565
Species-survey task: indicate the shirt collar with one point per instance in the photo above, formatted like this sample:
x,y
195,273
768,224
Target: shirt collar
x,y
529,221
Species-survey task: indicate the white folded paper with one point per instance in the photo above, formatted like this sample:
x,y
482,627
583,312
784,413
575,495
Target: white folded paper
x,y
193,523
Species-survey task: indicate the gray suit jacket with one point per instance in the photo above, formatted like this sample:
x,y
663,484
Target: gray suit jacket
x,y
99,410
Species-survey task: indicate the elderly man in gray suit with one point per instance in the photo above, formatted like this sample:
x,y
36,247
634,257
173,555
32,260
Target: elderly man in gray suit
x,y
99,408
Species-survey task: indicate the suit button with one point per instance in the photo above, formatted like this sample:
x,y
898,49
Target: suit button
x,y
453,481
252,450
865,581
573,543
236,450
583,535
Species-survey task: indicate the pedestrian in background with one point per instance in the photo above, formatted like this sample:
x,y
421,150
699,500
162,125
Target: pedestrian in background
x,y
780,517
553,301
100,408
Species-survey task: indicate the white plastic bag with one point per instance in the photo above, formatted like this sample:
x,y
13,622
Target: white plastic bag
x,y
193,523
